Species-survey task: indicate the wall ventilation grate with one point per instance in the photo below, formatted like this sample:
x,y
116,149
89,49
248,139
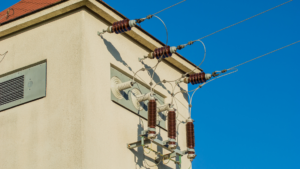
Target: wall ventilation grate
x,y
11,90
23,85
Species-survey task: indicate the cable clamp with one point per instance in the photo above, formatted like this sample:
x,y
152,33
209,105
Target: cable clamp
x,y
149,16
215,74
140,20
223,71
191,42
180,47
100,33
141,59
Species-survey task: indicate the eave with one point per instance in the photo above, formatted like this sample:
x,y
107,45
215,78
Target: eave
x,y
103,10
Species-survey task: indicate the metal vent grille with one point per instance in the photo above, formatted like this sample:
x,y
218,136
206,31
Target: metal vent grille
x,y
11,90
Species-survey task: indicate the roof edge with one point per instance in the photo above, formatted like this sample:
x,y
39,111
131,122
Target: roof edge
x,y
103,10
144,31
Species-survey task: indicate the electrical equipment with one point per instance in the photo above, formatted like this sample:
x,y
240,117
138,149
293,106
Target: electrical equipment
x,y
190,135
130,96
160,53
172,128
165,107
126,24
120,26
164,52
196,78
117,86
151,118
138,97
134,93
149,136
143,97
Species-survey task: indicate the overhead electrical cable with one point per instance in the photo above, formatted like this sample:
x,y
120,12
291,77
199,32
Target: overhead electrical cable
x,y
202,59
217,73
168,7
192,42
245,19
264,55
126,24
165,28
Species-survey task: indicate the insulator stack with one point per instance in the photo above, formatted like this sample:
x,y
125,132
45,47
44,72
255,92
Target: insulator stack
x,y
190,139
162,52
151,118
190,135
197,78
172,128
121,26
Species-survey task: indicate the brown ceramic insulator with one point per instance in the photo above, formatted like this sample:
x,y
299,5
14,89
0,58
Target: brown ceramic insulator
x,y
152,114
190,135
197,78
162,52
172,124
121,26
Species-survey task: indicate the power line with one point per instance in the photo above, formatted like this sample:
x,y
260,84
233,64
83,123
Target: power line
x,y
169,7
245,19
264,55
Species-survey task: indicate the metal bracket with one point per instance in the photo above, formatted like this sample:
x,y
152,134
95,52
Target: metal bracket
x,y
101,33
145,141
168,156
141,59
167,141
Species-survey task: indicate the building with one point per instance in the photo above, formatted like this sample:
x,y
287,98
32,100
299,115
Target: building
x,y
73,122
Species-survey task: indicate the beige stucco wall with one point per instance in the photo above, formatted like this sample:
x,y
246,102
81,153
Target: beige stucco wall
x,y
77,125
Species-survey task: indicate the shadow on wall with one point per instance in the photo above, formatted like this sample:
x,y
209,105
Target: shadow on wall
x,y
114,52
185,95
140,155
177,141
156,78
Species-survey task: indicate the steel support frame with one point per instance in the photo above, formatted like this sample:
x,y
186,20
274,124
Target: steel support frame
x,y
145,141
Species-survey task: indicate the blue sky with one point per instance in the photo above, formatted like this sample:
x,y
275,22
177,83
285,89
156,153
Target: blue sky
x,y
250,119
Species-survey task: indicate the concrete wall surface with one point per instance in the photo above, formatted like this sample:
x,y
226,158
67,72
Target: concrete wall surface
x,y
77,126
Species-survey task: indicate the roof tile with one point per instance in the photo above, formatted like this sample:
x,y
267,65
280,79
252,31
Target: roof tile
x,y
24,7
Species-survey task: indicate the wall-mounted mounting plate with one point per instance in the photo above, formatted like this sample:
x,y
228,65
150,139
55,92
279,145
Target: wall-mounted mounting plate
x,y
129,95
23,86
